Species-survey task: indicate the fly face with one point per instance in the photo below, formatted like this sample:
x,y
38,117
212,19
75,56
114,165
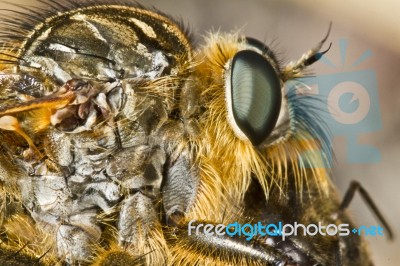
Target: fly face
x,y
117,133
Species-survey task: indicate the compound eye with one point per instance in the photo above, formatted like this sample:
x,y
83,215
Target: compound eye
x,y
255,96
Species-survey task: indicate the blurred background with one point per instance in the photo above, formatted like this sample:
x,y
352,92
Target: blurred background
x,y
365,40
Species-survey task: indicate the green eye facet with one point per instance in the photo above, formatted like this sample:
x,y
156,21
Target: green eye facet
x,y
255,95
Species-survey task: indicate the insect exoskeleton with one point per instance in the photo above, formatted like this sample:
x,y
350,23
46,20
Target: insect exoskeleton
x,y
89,117
118,136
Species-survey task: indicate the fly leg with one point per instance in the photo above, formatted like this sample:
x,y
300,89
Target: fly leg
x,y
139,172
190,247
356,187
179,188
349,248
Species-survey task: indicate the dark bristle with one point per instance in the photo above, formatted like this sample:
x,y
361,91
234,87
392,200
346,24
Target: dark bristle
x,y
12,25
20,14
36,11
42,256
18,251
12,37
54,5
141,257
17,31
9,55
8,62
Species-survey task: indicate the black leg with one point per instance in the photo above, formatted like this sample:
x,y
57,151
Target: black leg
x,y
348,197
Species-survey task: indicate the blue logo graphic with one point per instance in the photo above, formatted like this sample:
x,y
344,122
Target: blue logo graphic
x,y
249,231
349,105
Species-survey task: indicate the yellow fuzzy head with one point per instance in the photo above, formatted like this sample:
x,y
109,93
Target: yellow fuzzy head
x,y
228,159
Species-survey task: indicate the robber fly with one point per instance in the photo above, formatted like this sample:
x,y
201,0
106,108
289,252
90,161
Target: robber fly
x,y
117,133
